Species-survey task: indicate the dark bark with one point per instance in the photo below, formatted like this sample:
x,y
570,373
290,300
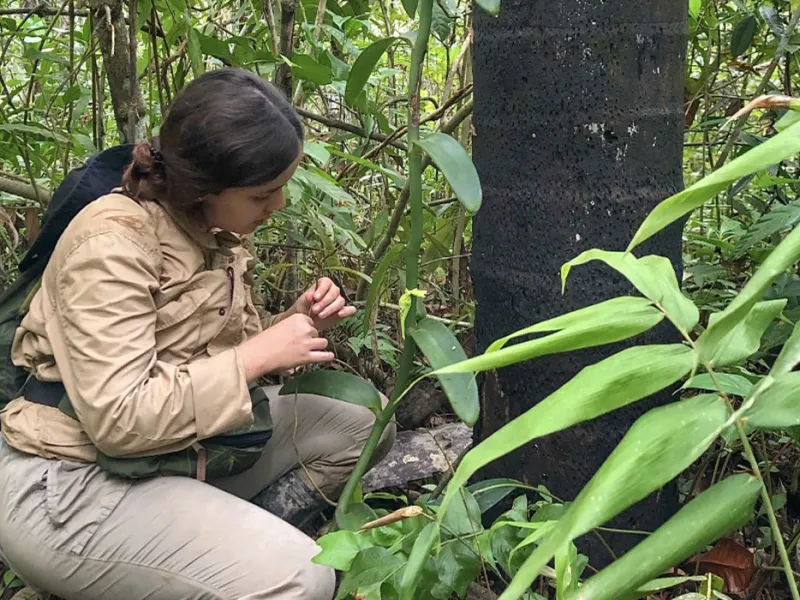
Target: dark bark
x,y
115,45
578,119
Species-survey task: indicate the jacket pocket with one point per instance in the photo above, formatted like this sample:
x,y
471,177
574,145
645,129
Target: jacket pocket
x,y
179,310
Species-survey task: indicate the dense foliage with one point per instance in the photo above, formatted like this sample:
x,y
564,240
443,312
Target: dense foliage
x,y
352,67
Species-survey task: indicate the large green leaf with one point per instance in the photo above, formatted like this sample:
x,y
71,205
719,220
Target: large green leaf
x,y
658,446
780,259
307,67
777,405
616,381
720,509
773,151
610,321
745,338
416,560
789,356
410,7
652,275
456,165
195,54
371,566
364,66
736,385
457,565
335,384
340,548
442,349
490,6
742,35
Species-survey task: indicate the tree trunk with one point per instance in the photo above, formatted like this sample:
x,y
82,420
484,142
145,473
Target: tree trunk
x,y
116,46
578,118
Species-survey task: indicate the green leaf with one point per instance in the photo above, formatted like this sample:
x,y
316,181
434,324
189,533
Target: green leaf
x,y
411,7
442,19
780,259
694,7
659,445
652,275
612,383
728,383
458,566
456,165
216,48
490,492
718,510
490,6
36,130
442,349
306,67
567,578
781,217
462,517
610,321
789,118
417,559
195,54
378,277
745,338
335,384
371,566
742,35
363,68
779,147
776,404
587,318
789,356
340,548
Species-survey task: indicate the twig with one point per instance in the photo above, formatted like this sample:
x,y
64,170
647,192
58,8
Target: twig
x,y
345,126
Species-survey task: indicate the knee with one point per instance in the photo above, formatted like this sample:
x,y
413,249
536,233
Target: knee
x,y
315,582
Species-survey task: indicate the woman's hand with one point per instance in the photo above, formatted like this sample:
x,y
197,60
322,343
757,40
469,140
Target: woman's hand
x,y
323,302
291,343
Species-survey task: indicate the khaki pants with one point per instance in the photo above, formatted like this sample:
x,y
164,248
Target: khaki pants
x,y
73,530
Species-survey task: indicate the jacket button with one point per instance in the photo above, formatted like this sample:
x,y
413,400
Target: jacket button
x,y
222,312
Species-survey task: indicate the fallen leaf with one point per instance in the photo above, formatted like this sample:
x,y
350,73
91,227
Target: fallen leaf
x,y
731,561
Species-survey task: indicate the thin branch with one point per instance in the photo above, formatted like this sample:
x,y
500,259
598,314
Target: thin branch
x,y
345,126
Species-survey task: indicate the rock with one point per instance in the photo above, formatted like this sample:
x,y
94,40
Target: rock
x,y
419,454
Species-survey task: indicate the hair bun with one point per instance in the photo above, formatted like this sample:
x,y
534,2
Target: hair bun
x,y
146,174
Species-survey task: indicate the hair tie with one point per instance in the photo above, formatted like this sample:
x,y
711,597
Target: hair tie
x,y
158,159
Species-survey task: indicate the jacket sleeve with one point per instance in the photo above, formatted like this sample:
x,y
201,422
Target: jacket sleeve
x,y
103,338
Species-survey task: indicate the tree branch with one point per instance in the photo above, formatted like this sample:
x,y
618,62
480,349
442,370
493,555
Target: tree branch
x,y
344,126
23,189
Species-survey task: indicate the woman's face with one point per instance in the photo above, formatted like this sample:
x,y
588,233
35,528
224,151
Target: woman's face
x,y
242,210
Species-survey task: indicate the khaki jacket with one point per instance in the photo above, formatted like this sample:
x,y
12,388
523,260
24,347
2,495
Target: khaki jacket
x,y
138,313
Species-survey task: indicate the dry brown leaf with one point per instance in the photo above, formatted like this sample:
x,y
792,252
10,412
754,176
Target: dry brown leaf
x,y
731,561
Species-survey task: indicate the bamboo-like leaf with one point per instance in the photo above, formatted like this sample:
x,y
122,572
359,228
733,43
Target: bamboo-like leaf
x,y
416,560
378,276
781,217
335,384
442,348
490,6
773,151
745,338
729,383
594,312
195,54
789,356
780,259
457,167
363,68
604,323
720,509
778,405
652,275
616,381
659,445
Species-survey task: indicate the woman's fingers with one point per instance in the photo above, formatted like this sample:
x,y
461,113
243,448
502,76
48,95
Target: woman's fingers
x,y
318,356
335,306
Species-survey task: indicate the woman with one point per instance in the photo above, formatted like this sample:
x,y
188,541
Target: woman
x,y
140,458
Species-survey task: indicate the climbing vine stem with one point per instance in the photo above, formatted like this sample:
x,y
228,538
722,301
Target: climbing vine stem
x,y
412,256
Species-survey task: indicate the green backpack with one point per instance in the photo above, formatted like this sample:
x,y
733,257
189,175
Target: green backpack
x,y
212,458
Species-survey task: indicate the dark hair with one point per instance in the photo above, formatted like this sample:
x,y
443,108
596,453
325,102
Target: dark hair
x,y
227,128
